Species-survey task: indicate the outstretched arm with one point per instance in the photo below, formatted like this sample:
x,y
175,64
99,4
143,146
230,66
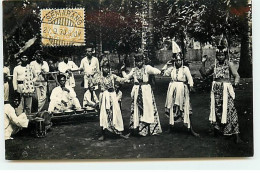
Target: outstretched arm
x,y
152,70
129,75
119,79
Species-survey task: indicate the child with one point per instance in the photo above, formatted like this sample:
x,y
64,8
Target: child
x,y
90,101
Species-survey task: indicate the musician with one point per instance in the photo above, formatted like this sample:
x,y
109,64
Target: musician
x,y
63,97
90,66
90,101
39,68
23,84
6,72
68,67
13,123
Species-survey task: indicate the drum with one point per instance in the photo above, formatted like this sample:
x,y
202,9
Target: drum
x,y
40,130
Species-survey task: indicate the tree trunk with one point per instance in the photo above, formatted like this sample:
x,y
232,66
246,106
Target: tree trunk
x,y
245,64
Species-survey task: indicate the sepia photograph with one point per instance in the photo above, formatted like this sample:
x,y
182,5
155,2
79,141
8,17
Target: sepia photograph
x,y
127,79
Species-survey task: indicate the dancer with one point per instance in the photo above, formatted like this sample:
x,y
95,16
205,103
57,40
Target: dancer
x,y
144,117
223,114
177,105
110,113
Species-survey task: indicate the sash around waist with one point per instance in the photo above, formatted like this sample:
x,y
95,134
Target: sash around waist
x,y
141,83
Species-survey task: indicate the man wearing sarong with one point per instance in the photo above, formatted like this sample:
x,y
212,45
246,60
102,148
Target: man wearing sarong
x,y
39,68
23,83
90,66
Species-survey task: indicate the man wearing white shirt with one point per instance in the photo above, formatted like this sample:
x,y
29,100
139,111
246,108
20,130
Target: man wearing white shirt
x,y
6,72
68,67
90,66
13,123
63,97
39,67
23,84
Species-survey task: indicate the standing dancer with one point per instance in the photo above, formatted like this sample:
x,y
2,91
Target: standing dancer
x,y
223,114
144,115
177,105
110,113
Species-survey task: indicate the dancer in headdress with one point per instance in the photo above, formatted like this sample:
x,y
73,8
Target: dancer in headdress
x,y
223,114
144,117
178,105
110,112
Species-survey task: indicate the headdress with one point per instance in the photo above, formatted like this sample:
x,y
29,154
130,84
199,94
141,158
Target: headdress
x,y
175,47
139,57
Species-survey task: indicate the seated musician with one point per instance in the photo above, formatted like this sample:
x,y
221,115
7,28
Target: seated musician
x,y
63,97
90,101
13,123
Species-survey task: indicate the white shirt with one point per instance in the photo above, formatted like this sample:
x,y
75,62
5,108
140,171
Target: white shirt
x,y
38,68
63,67
12,121
90,67
147,70
59,94
183,74
87,100
6,70
18,75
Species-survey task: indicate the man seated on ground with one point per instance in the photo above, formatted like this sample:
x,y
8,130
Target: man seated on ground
x,y
63,97
13,123
90,101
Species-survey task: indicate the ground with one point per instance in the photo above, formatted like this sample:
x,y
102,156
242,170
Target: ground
x,y
78,139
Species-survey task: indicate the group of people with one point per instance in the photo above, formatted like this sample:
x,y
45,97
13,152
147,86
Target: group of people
x,y
144,118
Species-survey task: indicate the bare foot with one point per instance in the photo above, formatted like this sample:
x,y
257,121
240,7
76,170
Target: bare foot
x,y
102,138
239,140
194,133
124,136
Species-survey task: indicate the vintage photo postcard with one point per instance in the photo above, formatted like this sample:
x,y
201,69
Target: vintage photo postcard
x,y
127,79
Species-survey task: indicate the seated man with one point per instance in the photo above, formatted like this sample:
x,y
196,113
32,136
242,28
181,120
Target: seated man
x,y
63,97
14,123
90,101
